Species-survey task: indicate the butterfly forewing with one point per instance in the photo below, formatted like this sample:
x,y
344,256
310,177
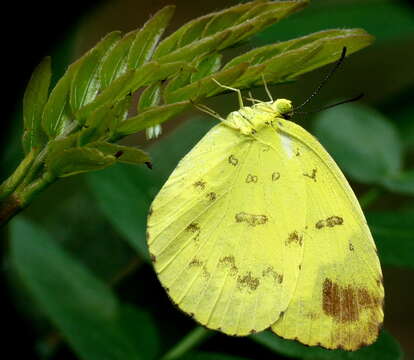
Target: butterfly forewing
x,y
226,230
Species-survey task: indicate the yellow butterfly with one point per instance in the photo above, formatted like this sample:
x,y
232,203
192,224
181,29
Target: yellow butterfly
x,y
258,228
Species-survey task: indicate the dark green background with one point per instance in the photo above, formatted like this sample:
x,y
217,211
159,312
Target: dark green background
x,y
99,218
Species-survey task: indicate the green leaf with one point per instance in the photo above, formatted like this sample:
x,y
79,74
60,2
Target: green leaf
x,y
126,154
365,145
393,232
202,47
151,117
224,28
139,328
402,183
287,60
83,308
124,192
207,66
56,113
150,97
147,38
34,100
130,82
86,82
196,355
101,124
107,97
115,62
206,87
77,160
385,348
149,73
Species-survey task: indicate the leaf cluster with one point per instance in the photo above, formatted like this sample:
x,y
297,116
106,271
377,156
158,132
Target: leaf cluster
x,y
90,107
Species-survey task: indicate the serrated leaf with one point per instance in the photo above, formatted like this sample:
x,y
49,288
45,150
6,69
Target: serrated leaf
x,y
34,100
287,60
202,47
77,160
130,82
364,143
57,146
206,86
83,308
107,97
206,66
147,38
393,232
56,113
115,62
102,123
255,16
126,154
151,72
385,348
151,117
402,183
150,97
181,79
86,82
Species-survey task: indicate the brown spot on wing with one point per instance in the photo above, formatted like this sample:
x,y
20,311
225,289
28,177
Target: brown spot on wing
x,y
230,262
251,219
248,281
345,303
351,247
251,178
269,271
311,176
193,227
196,262
200,184
329,222
275,176
212,196
153,258
295,238
233,160
150,211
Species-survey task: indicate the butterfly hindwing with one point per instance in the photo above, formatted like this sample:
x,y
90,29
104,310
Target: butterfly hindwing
x,y
339,296
226,230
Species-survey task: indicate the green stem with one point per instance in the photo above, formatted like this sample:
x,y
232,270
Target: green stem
x,y
11,183
370,197
194,338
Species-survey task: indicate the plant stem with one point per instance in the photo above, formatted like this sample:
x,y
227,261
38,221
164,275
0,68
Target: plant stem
x,y
12,182
370,197
194,338
9,207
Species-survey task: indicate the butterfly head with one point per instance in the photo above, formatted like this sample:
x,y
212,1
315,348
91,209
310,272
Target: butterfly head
x,y
283,108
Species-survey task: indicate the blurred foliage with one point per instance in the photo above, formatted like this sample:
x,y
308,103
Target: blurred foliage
x,y
86,232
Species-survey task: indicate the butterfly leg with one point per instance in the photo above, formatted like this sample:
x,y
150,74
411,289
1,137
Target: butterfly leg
x,y
234,89
267,89
207,110
252,99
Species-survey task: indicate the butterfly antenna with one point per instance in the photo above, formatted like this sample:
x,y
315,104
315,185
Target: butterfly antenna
x,y
325,80
355,98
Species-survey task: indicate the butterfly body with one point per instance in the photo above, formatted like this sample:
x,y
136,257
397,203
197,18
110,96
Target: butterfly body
x,y
257,228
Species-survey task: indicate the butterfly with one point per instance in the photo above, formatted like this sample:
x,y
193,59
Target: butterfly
x,y
257,228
